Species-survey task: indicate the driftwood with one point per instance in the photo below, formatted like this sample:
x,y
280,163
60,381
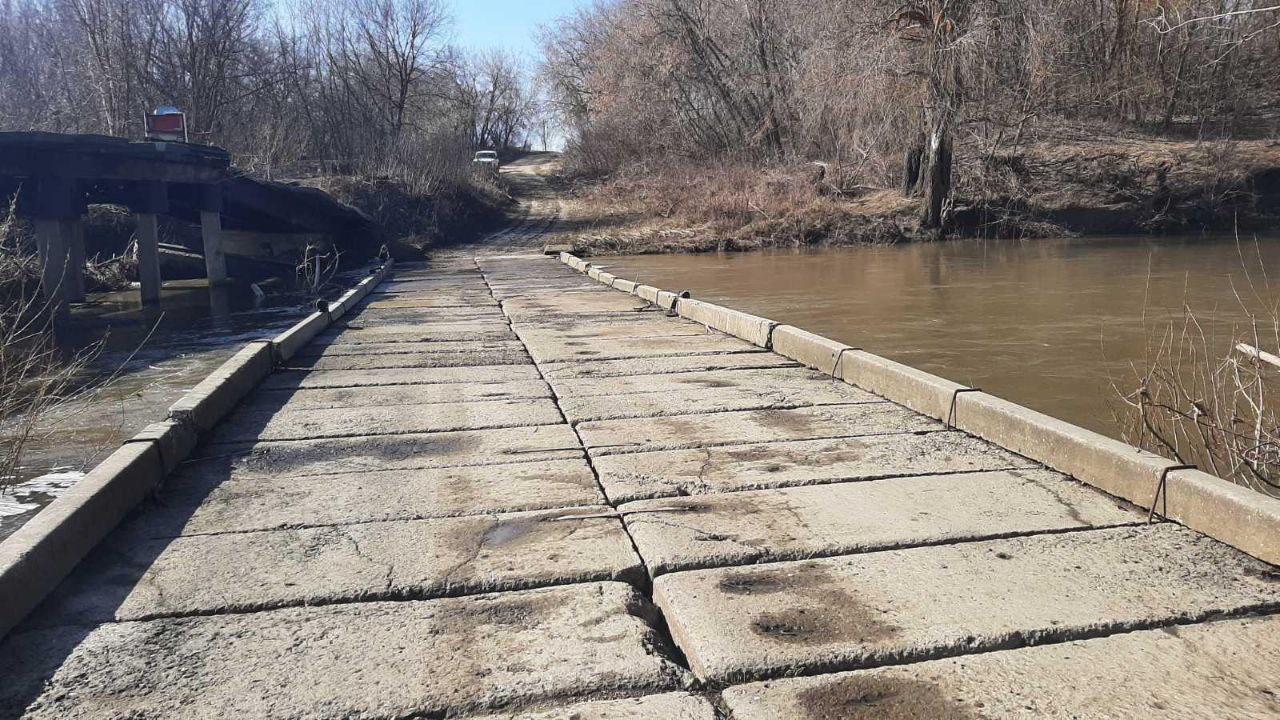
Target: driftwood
x,y
1262,355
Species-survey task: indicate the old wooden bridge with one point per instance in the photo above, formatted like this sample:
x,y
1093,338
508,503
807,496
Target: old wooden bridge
x,y
519,486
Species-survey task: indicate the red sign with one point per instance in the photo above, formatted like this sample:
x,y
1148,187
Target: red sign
x,y
169,126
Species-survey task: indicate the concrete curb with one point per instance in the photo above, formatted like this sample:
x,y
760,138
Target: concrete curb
x,y
36,558
646,292
1229,513
814,351
288,343
208,402
44,551
921,391
173,439
755,330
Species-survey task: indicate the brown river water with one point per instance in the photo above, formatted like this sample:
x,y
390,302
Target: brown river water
x,y
1050,324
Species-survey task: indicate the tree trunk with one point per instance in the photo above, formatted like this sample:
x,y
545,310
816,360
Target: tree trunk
x,y
911,167
935,178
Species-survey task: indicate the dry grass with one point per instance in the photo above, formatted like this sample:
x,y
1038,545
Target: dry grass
x,y
419,216
1050,187
36,377
689,207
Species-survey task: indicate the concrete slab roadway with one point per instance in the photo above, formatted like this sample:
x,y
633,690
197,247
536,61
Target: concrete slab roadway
x,y
824,520
433,658
309,423
390,395
607,437
199,503
905,606
129,579
388,452
1223,669
664,365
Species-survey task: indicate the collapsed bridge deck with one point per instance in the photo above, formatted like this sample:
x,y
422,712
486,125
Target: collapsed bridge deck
x,y
502,487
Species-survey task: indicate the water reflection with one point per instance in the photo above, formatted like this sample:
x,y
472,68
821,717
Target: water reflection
x,y
1047,323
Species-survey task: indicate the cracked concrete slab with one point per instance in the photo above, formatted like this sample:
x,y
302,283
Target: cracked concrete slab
x,y
474,374
386,396
668,400
900,606
379,660
795,380
643,326
388,452
513,356
190,504
605,437
312,423
530,289
823,520
438,347
410,316
636,476
667,706
569,303
448,298
1214,670
420,332
553,348
433,285
665,365
129,579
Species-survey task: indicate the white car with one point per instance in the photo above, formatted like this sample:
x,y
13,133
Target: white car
x,y
487,161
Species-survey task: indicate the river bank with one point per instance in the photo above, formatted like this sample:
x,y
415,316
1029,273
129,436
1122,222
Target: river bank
x,y
1070,186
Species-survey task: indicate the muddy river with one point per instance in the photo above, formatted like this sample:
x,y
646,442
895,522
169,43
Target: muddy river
x,y
1056,325
147,358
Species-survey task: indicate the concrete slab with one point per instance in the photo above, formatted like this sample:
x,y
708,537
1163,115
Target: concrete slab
x,y
569,303
433,658
337,379
192,504
312,423
667,400
430,285
1218,669
909,605
606,329
128,579
410,360
388,452
424,332
549,348
665,365
392,395
787,380
374,318
632,324
437,347
824,520
459,298
635,476
606,437
668,706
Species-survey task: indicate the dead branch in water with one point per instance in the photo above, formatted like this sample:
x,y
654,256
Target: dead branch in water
x,y
1209,401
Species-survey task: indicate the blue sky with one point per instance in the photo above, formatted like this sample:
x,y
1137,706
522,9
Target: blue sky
x,y
509,24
